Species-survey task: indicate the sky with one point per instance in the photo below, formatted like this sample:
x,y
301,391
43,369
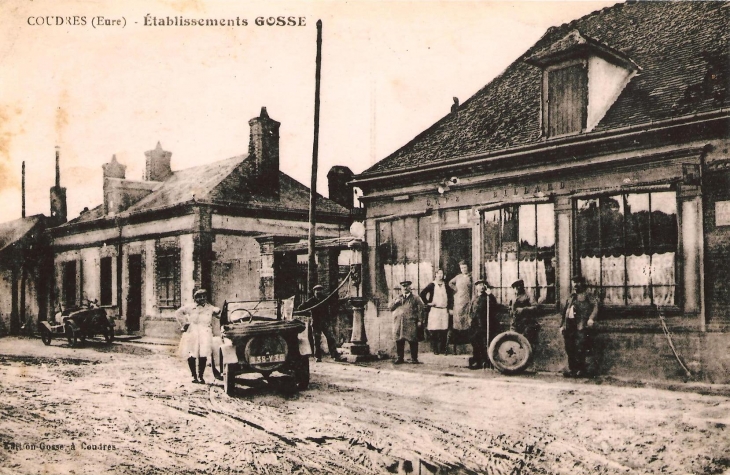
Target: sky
x,y
389,70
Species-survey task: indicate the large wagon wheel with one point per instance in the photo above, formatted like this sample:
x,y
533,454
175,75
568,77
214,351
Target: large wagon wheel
x,y
510,352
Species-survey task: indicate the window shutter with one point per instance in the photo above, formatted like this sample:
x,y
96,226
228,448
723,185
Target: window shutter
x,y
567,100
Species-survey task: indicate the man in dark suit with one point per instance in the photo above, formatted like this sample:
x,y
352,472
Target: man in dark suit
x,y
321,312
484,323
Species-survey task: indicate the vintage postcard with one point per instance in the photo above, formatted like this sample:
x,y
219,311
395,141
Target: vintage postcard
x,y
363,237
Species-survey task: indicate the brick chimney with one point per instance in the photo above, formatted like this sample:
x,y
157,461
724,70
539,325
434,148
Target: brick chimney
x,y
339,189
263,152
158,164
119,193
58,195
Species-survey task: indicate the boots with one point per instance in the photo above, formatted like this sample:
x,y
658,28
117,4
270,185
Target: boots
x,y
191,365
201,368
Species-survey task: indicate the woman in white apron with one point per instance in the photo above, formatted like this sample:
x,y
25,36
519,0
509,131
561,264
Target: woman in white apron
x,y
197,337
440,300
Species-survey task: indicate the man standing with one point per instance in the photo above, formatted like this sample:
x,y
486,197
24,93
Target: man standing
x,y
407,313
484,323
579,316
440,299
321,311
524,319
197,338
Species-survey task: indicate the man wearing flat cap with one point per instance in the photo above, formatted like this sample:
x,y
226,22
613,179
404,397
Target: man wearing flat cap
x,y
484,323
524,318
197,339
579,316
320,308
407,313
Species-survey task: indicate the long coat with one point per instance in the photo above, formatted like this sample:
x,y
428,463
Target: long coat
x,y
197,340
407,314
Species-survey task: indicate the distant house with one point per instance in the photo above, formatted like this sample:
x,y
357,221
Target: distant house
x,y
602,151
25,260
152,242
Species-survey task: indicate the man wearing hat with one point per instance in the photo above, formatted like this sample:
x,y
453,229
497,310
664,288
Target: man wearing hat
x,y
579,316
320,308
407,313
197,338
523,316
484,323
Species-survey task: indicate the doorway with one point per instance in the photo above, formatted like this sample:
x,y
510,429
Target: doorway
x,y
134,295
455,246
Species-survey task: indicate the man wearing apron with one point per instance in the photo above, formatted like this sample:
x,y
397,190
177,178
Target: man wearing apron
x,y
439,298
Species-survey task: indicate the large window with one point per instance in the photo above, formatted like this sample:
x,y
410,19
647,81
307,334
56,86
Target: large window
x,y
519,243
168,277
405,252
626,245
105,280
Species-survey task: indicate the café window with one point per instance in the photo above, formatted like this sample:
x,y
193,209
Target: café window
x,y
626,246
519,243
168,277
105,280
405,252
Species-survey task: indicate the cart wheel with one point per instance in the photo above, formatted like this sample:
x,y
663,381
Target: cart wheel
x,y
109,334
71,336
301,374
46,337
510,352
229,378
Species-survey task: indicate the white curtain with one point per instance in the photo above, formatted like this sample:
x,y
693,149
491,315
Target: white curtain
x,y
612,271
638,270
662,278
425,274
590,269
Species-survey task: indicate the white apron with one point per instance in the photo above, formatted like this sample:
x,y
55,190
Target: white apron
x,y
438,315
197,341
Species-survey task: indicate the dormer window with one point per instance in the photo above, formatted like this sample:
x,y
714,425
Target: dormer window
x,y
582,78
566,105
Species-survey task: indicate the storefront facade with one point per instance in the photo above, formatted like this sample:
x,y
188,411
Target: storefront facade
x,y
639,209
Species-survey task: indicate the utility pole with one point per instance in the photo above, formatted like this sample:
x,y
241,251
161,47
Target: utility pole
x,y
312,265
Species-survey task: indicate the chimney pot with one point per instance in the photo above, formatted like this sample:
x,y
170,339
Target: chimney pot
x,y
157,164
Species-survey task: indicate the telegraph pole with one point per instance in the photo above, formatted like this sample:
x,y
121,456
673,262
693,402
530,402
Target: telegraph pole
x,y
312,265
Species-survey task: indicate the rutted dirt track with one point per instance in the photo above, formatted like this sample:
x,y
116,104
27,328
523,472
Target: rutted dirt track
x,y
131,408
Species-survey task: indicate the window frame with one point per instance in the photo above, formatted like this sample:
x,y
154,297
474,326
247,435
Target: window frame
x,y
167,258
500,207
381,280
598,290
545,100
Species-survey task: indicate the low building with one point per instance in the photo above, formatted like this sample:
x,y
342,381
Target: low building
x,y
143,251
603,152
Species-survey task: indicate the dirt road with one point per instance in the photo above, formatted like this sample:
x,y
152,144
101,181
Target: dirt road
x,y
131,408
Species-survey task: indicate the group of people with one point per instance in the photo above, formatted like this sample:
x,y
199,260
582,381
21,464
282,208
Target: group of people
x,y
453,307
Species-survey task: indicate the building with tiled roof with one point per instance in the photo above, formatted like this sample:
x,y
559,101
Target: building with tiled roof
x,y
601,152
152,242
